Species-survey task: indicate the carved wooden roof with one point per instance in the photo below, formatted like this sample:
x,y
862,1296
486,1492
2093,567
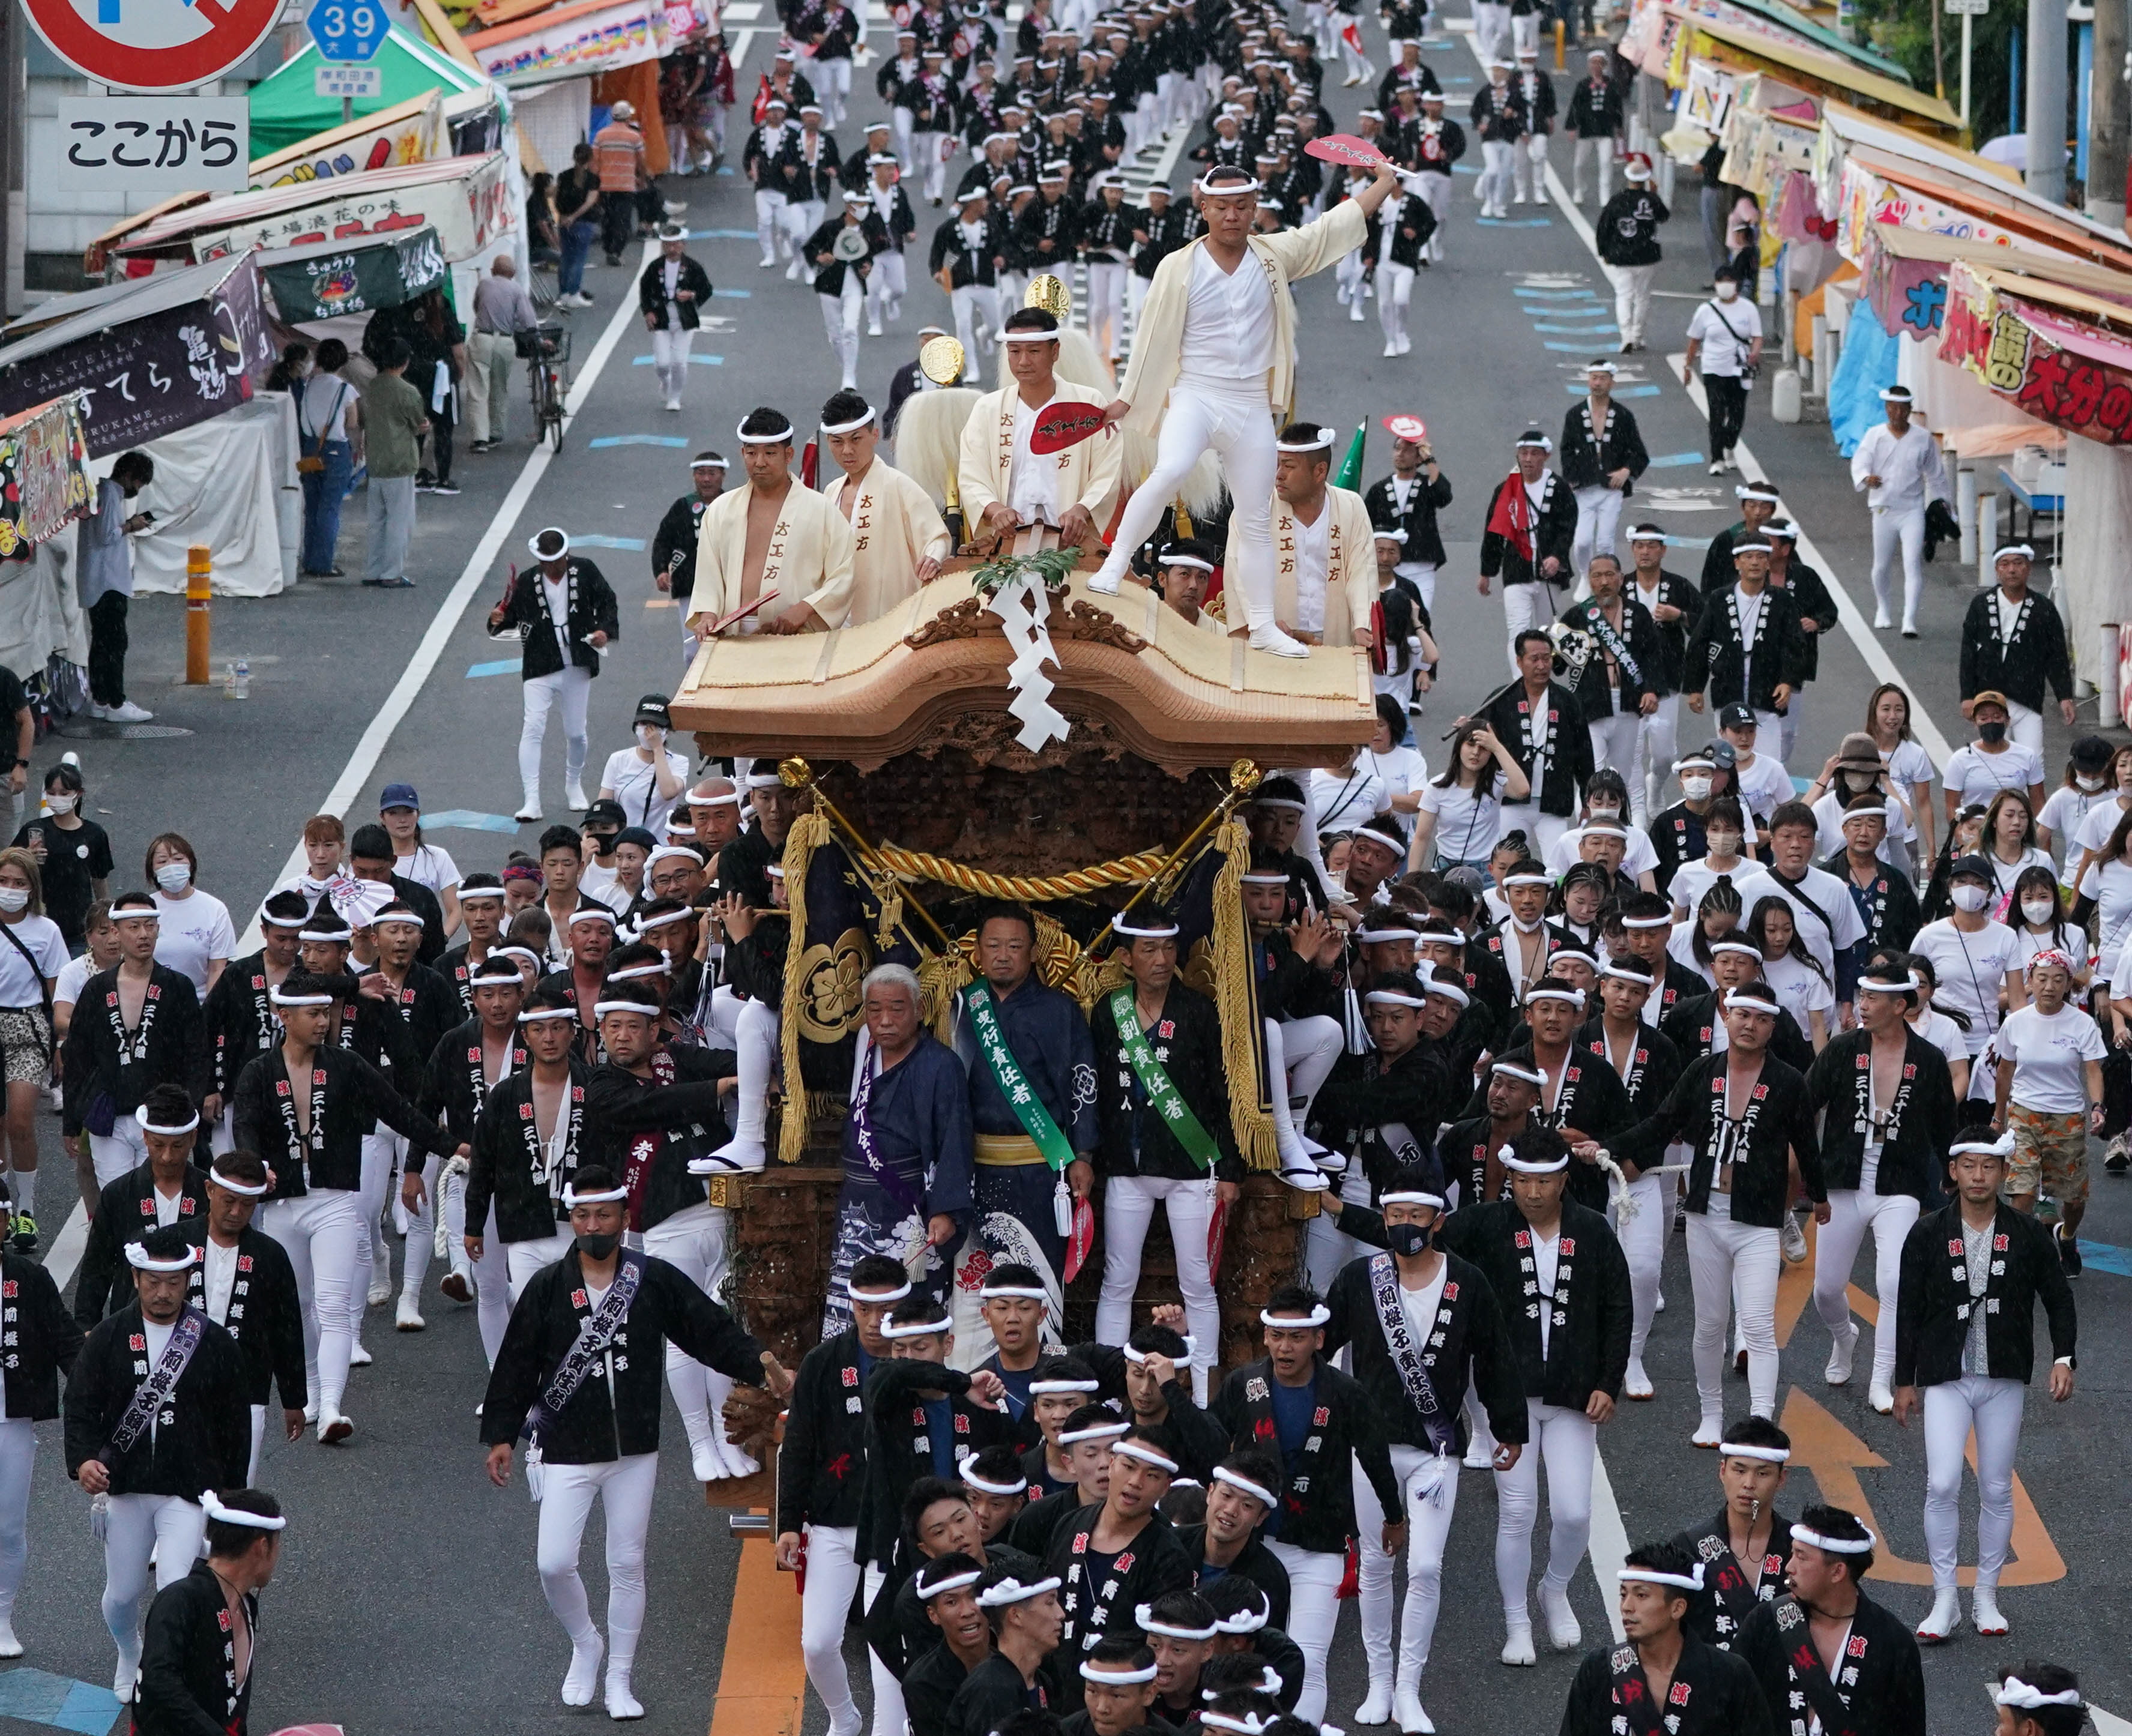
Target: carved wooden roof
x,y
1171,692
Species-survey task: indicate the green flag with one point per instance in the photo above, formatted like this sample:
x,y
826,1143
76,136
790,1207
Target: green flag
x,y
1350,474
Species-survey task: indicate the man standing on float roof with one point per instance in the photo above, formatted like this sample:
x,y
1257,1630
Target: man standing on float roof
x,y
1212,358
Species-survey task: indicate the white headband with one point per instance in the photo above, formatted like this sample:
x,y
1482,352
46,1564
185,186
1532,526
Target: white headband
x,y
1746,1000
1531,1075
764,780
1736,945
1505,1155
537,1015
247,1190
1392,998
1032,1292
601,1009
298,922
399,916
1767,1454
1251,186
1450,991
880,1298
1282,804
1250,1725
539,537
1552,990
1323,443
138,1257
1029,336
1411,1196
1136,1358
1146,1454
1528,880
1622,973
859,422
2002,1147
571,1199
768,440
1110,1677
1836,1546
1189,560
2020,548
1257,1491
635,972
697,799
1144,1619
527,953
1652,1576
1377,936
1244,1620
1040,1388
1908,985
215,1508
147,1126
977,1482
1647,921
1168,931
953,1582
2024,1698
1013,1591
664,919
1318,1316
1094,1431
586,914
279,1000
918,1328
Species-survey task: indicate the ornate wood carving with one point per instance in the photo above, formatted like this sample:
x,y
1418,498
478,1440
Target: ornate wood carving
x,y
1085,621
959,621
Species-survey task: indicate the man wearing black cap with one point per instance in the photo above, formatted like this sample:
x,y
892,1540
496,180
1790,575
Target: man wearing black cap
x,y
565,612
2012,643
674,544
202,1630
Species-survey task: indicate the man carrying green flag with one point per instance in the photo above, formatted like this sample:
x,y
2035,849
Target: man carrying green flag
x,y
1032,1074
1164,1113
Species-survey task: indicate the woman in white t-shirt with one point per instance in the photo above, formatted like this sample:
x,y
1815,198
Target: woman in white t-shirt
x,y
2037,919
2050,1086
647,780
425,864
2009,848
2101,819
1991,763
2105,889
1341,799
1947,1033
1910,766
194,936
1791,970
2086,790
32,954
1461,810
1724,833
1399,765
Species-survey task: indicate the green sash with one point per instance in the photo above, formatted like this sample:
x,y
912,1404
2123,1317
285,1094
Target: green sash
x,y
1168,1102
1007,1075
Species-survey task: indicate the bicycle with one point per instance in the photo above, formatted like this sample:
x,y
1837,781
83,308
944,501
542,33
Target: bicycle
x,y
547,350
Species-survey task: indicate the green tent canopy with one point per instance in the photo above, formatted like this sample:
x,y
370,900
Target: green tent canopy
x,y
285,110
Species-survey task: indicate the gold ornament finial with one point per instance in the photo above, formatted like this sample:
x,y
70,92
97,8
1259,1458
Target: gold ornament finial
x,y
1244,777
940,360
794,772
1048,291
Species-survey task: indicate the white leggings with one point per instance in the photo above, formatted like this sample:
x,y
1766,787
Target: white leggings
x,y
976,304
125,1148
525,1260
421,1243
625,1486
381,1152
1728,1262
755,1047
570,688
1436,188
1107,308
1529,162
492,1271
321,1231
1431,1486
833,1573
1299,1053
1993,1408
1394,294
841,315
886,285
770,226
1237,424
1494,191
1598,525
1614,738
1128,1209
1643,1239
1327,1248
1632,298
670,355
1655,748
1588,150
18,1458
695,1240
258,1440
169,1528
1567,1441
1851,1213
1527,607
1894,531
1314,1611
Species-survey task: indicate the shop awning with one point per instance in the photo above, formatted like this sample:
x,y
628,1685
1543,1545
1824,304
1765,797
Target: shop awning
x,y
412,132
2057,354
330,278
1819,73
286,110
1905,272
148,356
593,36
44,472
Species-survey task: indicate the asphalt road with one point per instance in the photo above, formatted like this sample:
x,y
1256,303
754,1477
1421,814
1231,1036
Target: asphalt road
x,y
407,1600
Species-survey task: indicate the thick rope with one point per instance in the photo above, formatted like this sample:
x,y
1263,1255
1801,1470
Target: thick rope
x,y
1032,888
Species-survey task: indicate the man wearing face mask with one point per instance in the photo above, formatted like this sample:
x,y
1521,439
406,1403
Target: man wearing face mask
x,y
565,1379
1678,834
2013,642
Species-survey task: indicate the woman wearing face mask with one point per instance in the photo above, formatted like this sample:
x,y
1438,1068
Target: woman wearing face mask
x,y
1802,989
195,936
1606,797
73,854
648,779
2105,889
32,954
2101,819
1965,838
1459,810
1973,958
1857,768
2009,846
2037,916
2087,789
1677,832
1910,769
1724,832
1993,761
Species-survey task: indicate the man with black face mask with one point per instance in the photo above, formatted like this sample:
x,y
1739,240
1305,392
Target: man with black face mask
x,y
564,1379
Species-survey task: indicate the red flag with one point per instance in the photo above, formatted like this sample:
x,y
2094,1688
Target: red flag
x,y
760,106
1351,33
1217,1227
1379,657
1082,1241
1511,515
810,455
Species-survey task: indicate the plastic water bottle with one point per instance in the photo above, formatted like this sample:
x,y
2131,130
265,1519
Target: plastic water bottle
x,y
240,679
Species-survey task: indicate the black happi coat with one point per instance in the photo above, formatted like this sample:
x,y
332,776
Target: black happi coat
x,y
1677,837
1806,588
1932,1309
1716,1613
426,1007
1425,500
1591,1099
1694,1025
1880,1687
1673,592
651,292
994,1691
1712,1694
266,1315
357,1098
1150,1566
899,1630
455,1083
1890,910
1778,1118
1317,1505
1133,1138
683,1116
125,1214
2019,667
1587,1348
929,1686
1255,1562
39,1341
593,1428
1653,1064
1034,1525
1553,532
510,1163
674,548
188,1682
1476,1348
1194,1439
238,1020
202,1439
1566,749
99,1081
1680,983
1590,455
900,1448
591,608
1638,635
821,1466
1365,1101
1465,1148
1920,1121
1718,659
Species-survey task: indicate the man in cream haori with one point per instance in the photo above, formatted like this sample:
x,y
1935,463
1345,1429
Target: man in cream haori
x,y
773,542
898,539
1214,352
1007,489
1325,572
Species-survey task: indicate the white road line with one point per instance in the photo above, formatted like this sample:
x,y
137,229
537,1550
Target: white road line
x,y
67,1251
370,747
1610,1542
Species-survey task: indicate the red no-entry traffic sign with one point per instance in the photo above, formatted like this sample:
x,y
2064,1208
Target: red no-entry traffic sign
x,y
153,45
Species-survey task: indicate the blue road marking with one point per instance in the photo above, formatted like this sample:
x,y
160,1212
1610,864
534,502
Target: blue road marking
x,y
1461,168
1686,542
1576,389
1533,289
2101,1256
722,235
1514,222
699,361
1578,331
37,1696
725,169
502,666
1582,349
639,440
465,819
732,294
632,542
1675,460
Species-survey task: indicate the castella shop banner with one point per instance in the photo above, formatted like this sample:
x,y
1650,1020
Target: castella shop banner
x,y
2047,363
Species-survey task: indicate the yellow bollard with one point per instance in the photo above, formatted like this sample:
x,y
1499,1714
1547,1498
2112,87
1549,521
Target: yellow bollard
x,y
1559,36
197,619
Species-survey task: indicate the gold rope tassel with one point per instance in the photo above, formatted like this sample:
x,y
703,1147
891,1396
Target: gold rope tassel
x,y
1235,982
809,831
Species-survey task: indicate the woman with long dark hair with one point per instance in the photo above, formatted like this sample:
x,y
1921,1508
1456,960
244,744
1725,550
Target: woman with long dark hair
x,y
1802,987
1462,808
1910,768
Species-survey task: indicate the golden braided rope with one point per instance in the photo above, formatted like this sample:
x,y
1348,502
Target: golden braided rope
x,y
1125,870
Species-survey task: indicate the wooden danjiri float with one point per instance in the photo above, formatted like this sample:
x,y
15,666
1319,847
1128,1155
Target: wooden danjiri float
x,y
1006,733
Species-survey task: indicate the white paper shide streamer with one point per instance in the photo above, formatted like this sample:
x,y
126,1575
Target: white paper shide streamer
x,y
1022,604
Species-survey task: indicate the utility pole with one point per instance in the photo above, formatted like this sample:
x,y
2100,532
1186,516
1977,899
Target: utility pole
x,y
14,193
2108,113
2047,99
